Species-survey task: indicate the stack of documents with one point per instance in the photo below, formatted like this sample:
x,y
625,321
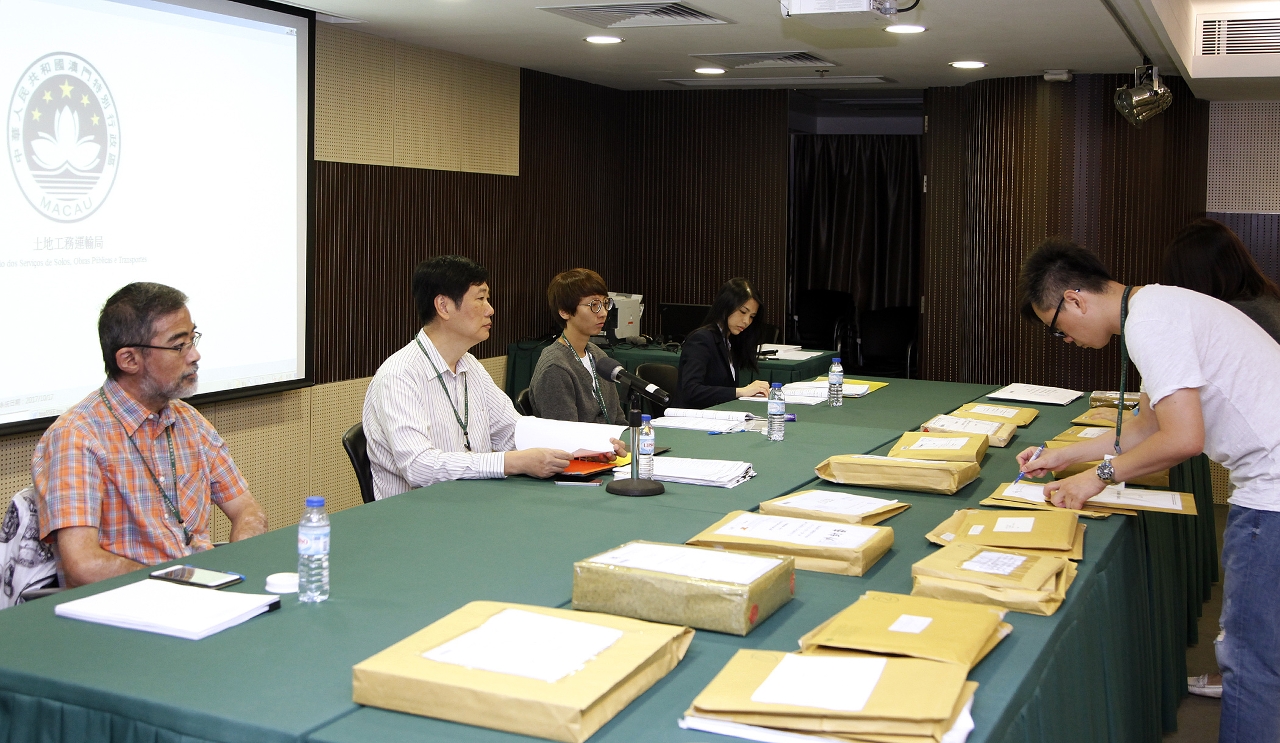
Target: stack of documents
x,y
774,696
549,673
828,505
898,473
912,626
1035,393
822,388
720,421
793,355
1113,499
942,447
165,608
779,347
716,473
1055,532
1154,480
998,434
822,546
692,586
1101,417
984,411
1032,584
579,439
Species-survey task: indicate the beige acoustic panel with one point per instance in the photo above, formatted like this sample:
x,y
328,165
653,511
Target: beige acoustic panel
x,y
490,117
1244,156
1221,479
335,408
355,75
427,112
15,465
497,368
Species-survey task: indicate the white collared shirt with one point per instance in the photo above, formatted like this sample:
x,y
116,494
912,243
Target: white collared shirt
x,y
414,439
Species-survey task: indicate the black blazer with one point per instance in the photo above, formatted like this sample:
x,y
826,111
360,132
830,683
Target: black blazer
x,y
706,377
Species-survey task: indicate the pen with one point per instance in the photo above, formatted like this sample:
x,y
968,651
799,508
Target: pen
x,y
1033,458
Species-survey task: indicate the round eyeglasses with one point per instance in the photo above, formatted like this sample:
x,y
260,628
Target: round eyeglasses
x,y
597,306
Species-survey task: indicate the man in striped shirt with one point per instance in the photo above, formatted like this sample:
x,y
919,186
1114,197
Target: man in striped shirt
x,y
125,478
432,413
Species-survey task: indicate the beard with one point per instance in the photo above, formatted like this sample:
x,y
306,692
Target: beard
x,y
185,386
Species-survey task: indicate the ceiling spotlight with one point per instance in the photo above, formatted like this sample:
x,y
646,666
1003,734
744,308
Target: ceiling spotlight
x,y
1057,76
1147,98
970,65
904,28
603,40
710,70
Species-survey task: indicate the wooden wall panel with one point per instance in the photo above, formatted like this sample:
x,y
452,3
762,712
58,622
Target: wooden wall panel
x,y
427,119
355,80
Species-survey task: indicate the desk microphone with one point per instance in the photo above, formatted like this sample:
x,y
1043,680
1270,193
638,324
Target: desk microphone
x,y
612,370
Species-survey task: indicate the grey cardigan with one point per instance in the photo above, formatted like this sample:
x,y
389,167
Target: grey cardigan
x,y
563,389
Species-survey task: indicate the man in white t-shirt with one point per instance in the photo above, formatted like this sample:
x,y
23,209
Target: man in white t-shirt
x,y
1211,383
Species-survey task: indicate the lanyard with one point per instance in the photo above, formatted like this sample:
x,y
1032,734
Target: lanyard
x,y
173,466
1124,365
595,381
464,419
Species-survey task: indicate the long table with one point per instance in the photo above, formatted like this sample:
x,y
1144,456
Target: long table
x,y
1087,673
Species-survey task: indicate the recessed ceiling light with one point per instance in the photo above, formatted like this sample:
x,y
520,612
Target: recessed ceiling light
x,y
603,40
905,28
969,65
710,70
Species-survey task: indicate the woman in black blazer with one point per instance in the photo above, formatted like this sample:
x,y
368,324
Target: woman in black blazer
x,y
714,355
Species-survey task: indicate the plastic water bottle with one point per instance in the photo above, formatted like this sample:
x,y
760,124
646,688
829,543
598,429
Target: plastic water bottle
x,y
313,552
777,412
835,384
644,449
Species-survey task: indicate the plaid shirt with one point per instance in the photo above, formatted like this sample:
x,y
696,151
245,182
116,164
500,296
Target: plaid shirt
x,y
87,473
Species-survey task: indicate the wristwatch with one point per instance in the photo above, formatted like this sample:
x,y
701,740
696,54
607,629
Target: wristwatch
x,y
1106,472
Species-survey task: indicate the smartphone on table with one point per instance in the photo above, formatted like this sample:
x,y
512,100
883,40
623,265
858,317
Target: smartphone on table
x,y
193,576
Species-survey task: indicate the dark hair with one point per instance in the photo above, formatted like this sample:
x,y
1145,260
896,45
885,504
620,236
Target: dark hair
x,y
1056,266
1207,257
450,275
128,318
568,288
733,295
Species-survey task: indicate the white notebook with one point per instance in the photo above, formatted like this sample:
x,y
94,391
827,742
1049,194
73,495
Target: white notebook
x,y
1035,393
168,608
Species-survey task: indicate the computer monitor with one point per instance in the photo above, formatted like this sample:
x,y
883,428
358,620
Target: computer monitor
x,y
679,320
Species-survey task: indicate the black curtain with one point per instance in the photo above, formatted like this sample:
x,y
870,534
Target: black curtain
x,y
854,217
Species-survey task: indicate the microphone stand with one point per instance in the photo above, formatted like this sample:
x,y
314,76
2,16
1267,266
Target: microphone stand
x,y
634,486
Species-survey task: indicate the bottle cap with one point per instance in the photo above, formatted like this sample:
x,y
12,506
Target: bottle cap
x,y
315,501
282,583
646,418
836,360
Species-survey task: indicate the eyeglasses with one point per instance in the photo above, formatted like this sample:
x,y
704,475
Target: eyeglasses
x,y
1053,330
596,305
180,348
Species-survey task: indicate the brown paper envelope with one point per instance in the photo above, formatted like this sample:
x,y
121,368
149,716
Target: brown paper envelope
x,y
948,532
999,499
1188,506
1154,480
780,507
1053,530
1033,574
898,474
1101,417
998,438
1044,601
830,727
1075,434
975,447
841,561
1022,417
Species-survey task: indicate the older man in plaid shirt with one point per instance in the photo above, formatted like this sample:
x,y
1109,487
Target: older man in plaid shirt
x,y
125,479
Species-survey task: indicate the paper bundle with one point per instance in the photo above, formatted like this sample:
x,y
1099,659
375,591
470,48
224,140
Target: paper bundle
x,y
1101,417
1032,584
1035,393
716,473
1085,433
835,697
828,505
998,434
720,421
822,546
691,586
549,673
997,413
820,389
1113,499
189,612
944,447
972,526
1154,480
579,439
898,473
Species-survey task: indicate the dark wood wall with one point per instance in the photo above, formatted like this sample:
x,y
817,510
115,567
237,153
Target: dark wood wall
x,y
1012,161
1261,234
664,193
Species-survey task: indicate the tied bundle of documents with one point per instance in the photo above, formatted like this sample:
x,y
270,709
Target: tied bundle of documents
x,y
827,505
1035,393
692,586
720,421
1154,480
1032,584
998,434
579,439
716,473
1101,417
549,673
760,694
1113,499
985,411
898,473
822,546
1076,434
164,608
942,447
912,626
1056,532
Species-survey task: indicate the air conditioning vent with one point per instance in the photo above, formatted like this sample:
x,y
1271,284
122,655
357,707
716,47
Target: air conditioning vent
x,y
766,59
1240,36
781,82
634,15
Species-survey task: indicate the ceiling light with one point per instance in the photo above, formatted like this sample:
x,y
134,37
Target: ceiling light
x,y
904,28
603,40
709,71
970,65
1146,99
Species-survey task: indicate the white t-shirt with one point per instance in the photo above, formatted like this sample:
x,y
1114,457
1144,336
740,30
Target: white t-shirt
x,y
1181,339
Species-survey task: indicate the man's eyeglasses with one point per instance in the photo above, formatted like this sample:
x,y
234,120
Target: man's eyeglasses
x,y
1053,329
180,348
597,306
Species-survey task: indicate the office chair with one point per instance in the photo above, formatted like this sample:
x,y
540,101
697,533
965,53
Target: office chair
x,y
357,450
665,376
821,318
28,566
886,341
524,403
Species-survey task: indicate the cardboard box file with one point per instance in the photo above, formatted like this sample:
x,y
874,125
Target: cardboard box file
x,y
678,584
569,709
825,505
941,447
898,474
1036,585
821,546
998,412
998,434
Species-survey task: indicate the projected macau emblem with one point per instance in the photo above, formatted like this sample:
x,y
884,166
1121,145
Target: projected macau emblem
x,y
63,137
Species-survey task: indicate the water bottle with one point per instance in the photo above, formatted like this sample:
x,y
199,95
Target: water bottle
x,y
644,449
313,552
835,384
777,411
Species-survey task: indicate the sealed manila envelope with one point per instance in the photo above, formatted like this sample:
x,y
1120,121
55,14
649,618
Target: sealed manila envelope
x,y
945,447
548,673
1000,413
697,587
1154,480
1101,417
822,546
1120,499
1085,433
895,473
914,626
830,505
998,434
950,531
1046,530
1032,584
1030,495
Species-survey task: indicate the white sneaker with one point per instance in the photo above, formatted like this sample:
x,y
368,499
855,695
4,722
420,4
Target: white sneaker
x,y
1200,686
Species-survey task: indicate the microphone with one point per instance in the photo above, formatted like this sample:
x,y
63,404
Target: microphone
x,y
613,371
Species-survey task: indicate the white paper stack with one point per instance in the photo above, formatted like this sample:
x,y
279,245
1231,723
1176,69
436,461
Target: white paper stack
x,y
579,439
797,355
716,473
778,347
1035,393
167,608
722,421
819,389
